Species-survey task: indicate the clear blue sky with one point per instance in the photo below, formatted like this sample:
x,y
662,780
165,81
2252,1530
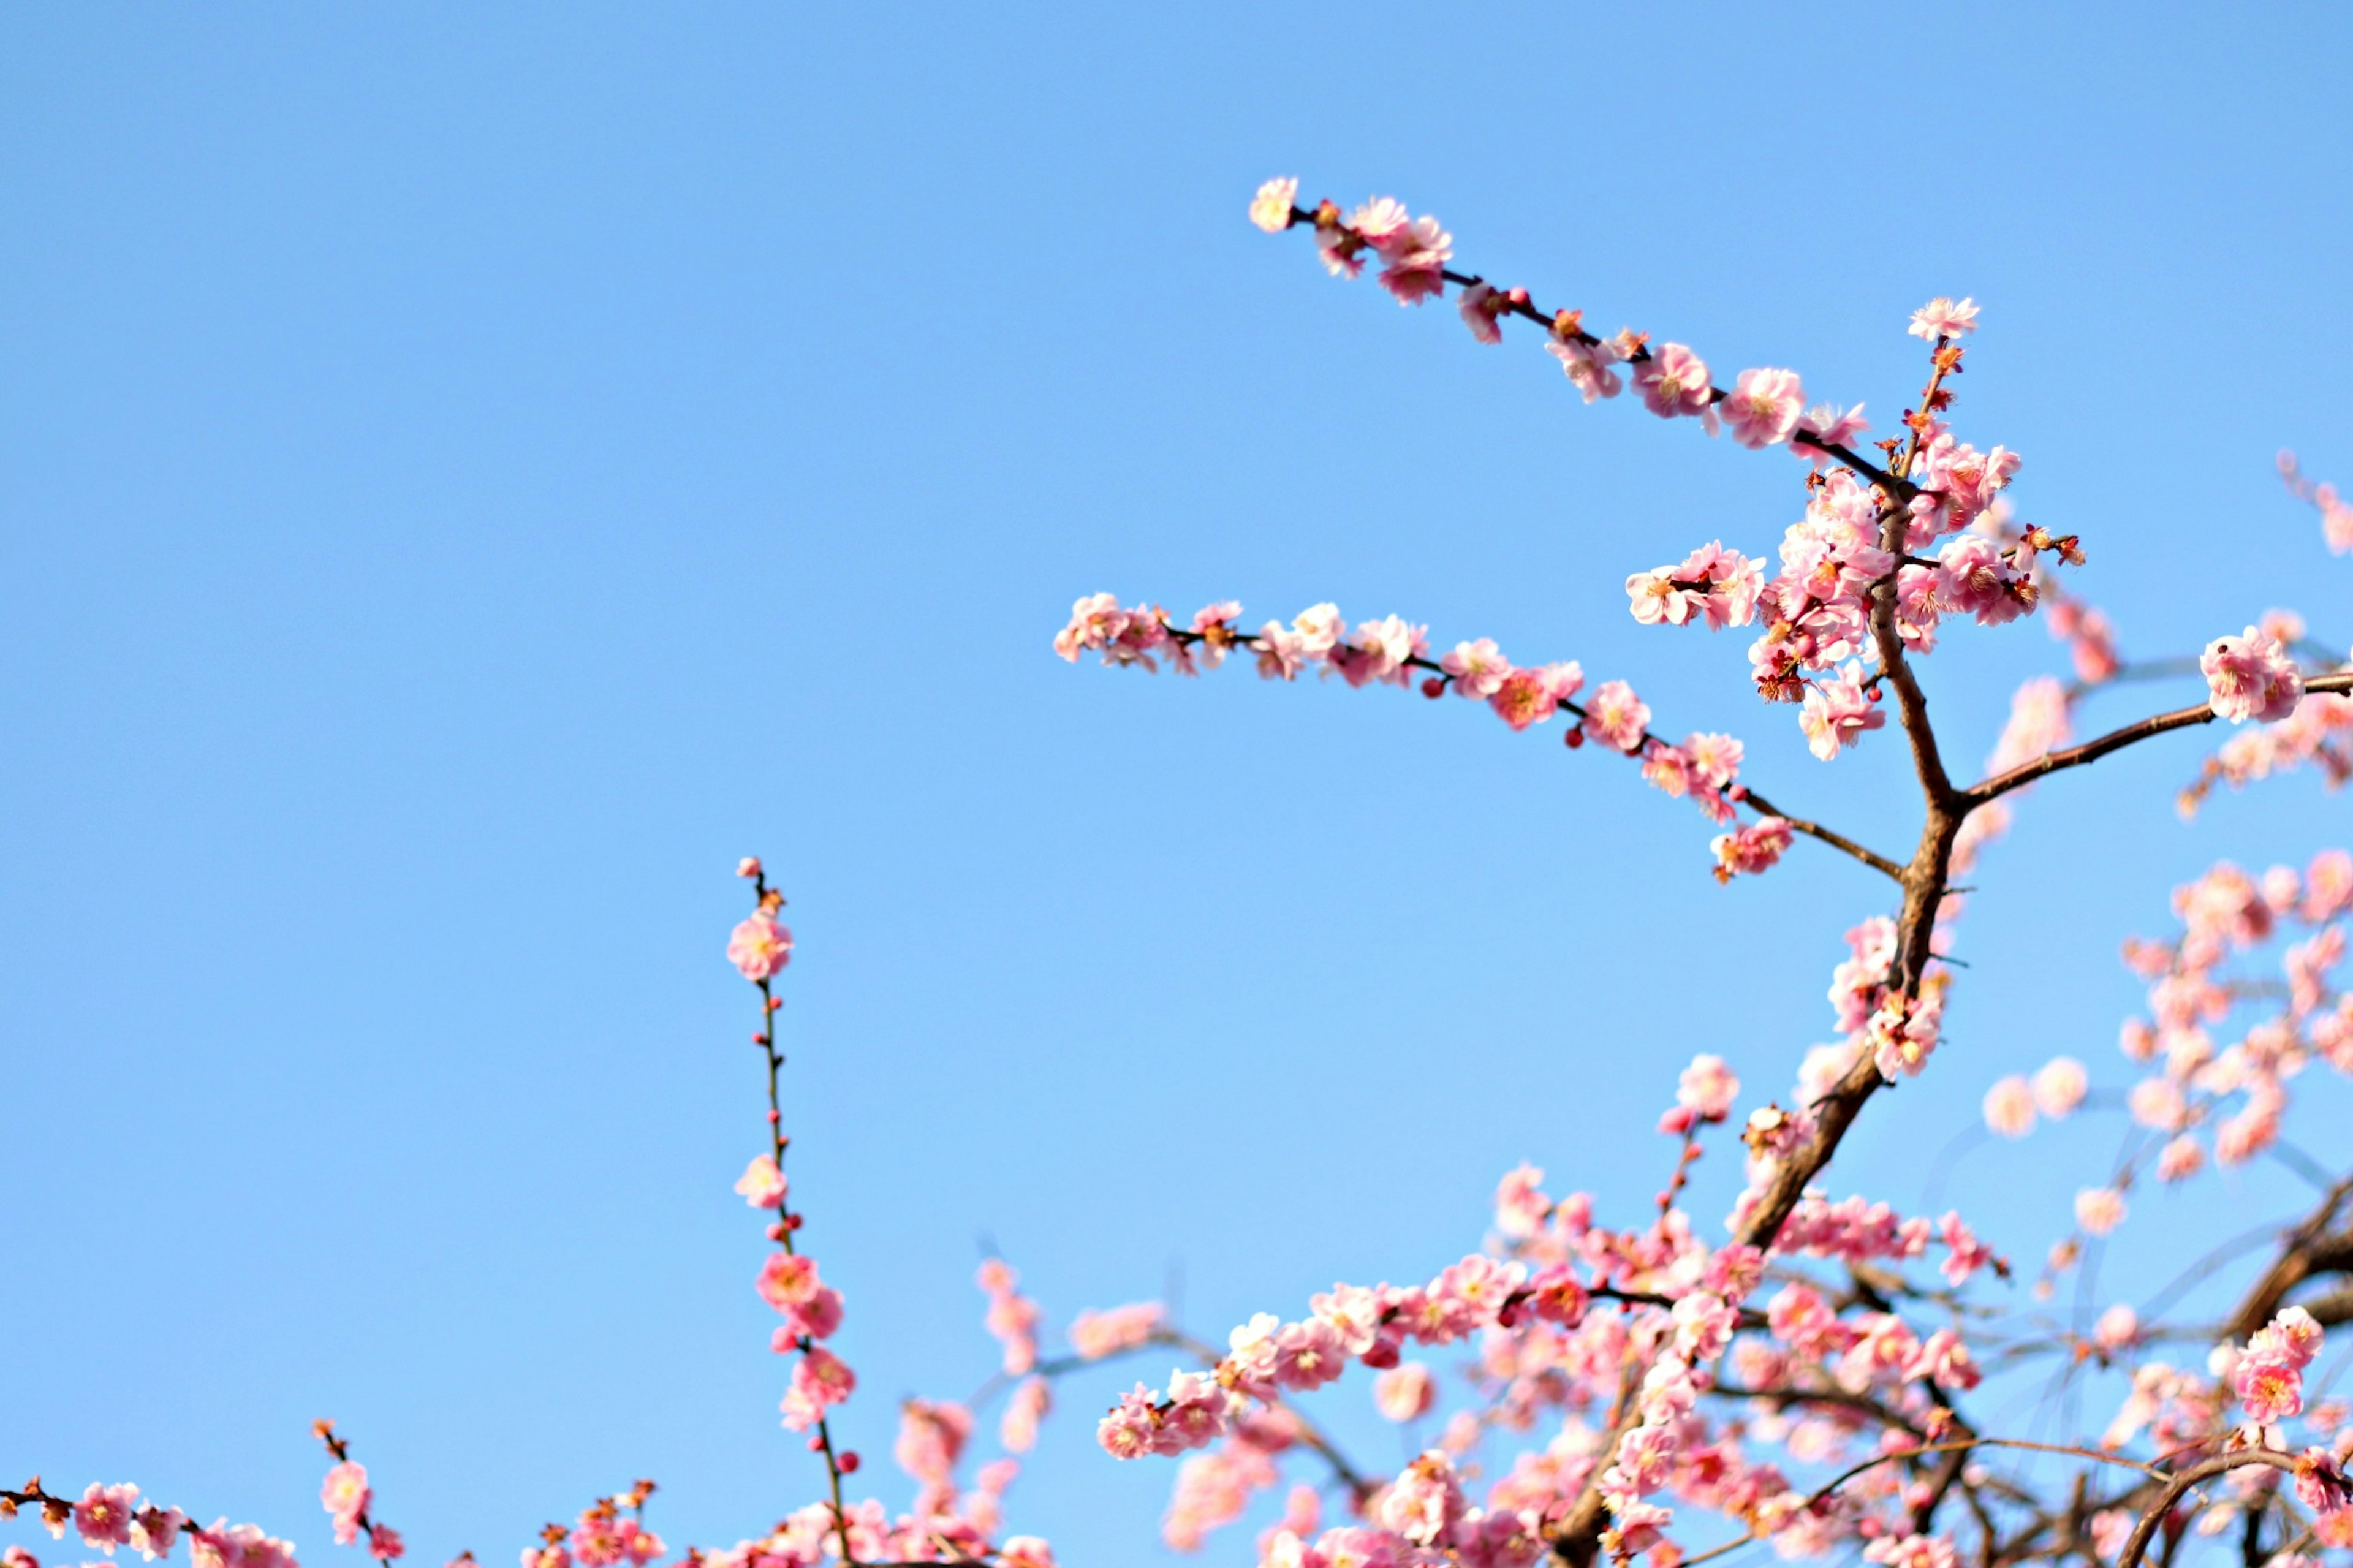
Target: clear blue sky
x,y
470,473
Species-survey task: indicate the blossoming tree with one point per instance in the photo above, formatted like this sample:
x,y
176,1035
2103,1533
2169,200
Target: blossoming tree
x,y
1662,1386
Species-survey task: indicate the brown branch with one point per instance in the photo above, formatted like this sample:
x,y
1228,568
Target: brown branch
x,y
2117,740
2137,1546
2315,1247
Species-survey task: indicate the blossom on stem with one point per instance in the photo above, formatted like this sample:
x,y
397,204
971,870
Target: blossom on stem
x,y
1476,669
1763,406
762,1184
1616,717
1837,713
759,946
103,1517
1751,850
1587,366
2099,1210
1942,317
1270,208
2251,677
1674,380
1405,1391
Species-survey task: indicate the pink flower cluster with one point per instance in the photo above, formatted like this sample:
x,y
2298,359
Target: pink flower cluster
x,y
2251,677
2056,1090
601,1538
2238,1091
1423,1520
1096,1334
2268,1376
1703,767
760,947
789,1282
107,1517
2335,516
1012,1317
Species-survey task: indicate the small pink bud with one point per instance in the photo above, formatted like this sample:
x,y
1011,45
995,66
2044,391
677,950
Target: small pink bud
x,y
1573,739
1433,687
748,866
817,1443
849,1462
776,1231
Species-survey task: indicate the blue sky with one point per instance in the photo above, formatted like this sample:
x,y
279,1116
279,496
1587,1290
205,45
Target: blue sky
x,y
469,474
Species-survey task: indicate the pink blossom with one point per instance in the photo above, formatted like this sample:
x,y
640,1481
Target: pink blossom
x,y
932,1436
1480,305
759,947
2270,1387
1426,1500
1281,652
1653,597
762,1185
1025,1552
1832,426
788,1280
1096,622
1750,850
820,1380
1704,1326
748,867
1973,579
1476,669
1942,318
1095,1335
1307,1355
2099,1210
1912,1552
1413,251
1381,652
154,1530
1405,1391
1714,758
817,1319
1672,381
103,1517
1320,628
2293,1333
2117,1329
1521,1206
1524,698
1616,717
18,1557
1763,406
385,1543
1708,1088
2251,677
1271,209
2180,1160
2060,1086
1033,1397
1837,713
2009,1108
1587,365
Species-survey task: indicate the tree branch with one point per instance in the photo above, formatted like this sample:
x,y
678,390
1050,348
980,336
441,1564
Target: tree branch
x,y
2118,740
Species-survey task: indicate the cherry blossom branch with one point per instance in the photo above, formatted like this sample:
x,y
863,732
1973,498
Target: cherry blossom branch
x,y
769,900
1311,1435
2136,1544
1221,639
1344,245
2118,740
347,1495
